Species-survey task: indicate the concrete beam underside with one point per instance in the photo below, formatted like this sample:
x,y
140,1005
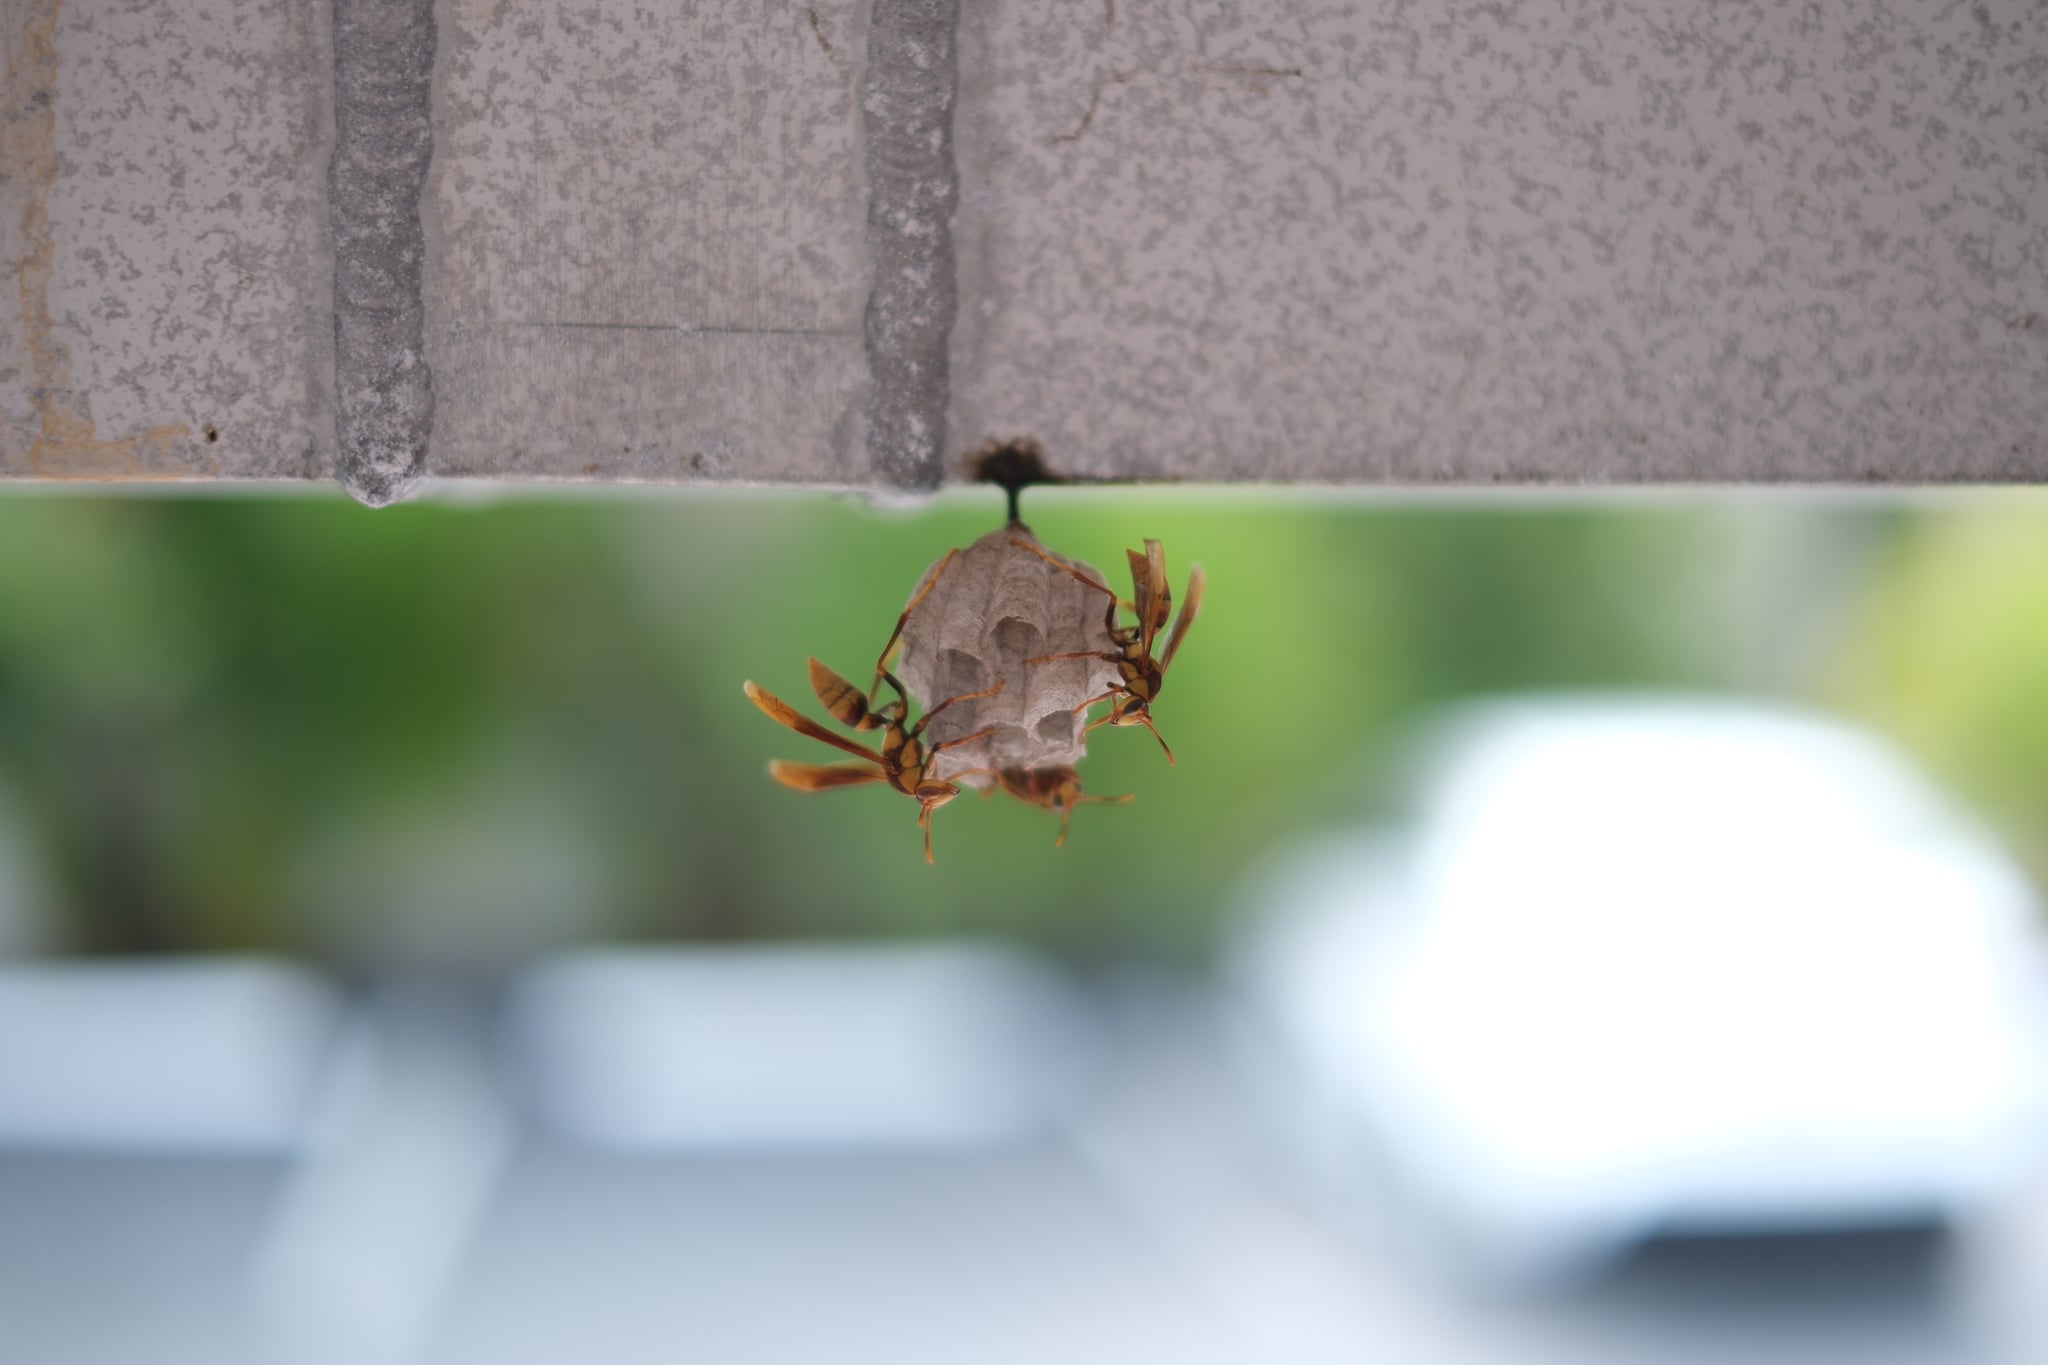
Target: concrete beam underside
x,y
837,244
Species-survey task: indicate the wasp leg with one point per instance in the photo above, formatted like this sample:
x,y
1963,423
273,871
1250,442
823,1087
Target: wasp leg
x,y
882,659
918,729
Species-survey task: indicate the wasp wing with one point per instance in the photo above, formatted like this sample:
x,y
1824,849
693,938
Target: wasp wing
x,y
1150,596
782,713
847,703
820,777
1197,581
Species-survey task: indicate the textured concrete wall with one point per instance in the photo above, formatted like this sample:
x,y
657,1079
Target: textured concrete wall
x,y
1540,240
839,243
647,241
161,206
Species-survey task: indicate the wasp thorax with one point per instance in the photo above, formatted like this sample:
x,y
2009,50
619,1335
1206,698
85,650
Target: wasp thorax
x,y
994,605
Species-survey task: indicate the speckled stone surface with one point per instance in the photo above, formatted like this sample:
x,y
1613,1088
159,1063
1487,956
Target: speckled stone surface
x,y
1474,242
1358,241
645,241
161,206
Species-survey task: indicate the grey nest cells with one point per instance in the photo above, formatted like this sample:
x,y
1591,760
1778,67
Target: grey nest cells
x,y
1003,649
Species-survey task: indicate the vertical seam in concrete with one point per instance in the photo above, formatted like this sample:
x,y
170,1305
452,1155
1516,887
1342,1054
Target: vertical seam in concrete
x,y
383,141
907,95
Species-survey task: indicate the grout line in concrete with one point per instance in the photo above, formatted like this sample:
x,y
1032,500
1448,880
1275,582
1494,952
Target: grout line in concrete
x,y
907,96
383,140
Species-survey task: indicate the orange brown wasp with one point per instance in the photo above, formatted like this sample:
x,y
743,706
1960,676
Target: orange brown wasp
x,y
1056,789
904,761
1131,697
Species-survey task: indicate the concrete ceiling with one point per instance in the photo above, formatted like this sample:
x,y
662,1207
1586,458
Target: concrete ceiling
x,y
839,244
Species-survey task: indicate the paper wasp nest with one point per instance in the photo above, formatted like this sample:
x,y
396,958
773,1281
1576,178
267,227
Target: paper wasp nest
x,y
994,606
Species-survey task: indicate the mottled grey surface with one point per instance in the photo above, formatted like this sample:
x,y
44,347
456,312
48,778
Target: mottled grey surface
x,y
1310,239
383,136
1470,242
160,216
645,241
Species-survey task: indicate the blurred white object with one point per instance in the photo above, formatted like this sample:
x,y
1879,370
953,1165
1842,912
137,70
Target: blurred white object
x,y
809,1046
1648,964
383,1208
196,1055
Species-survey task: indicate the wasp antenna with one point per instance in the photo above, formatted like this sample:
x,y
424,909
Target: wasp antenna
x,y
1146,721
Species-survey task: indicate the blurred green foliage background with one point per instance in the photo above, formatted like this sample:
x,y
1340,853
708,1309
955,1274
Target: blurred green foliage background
x,y
444,737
